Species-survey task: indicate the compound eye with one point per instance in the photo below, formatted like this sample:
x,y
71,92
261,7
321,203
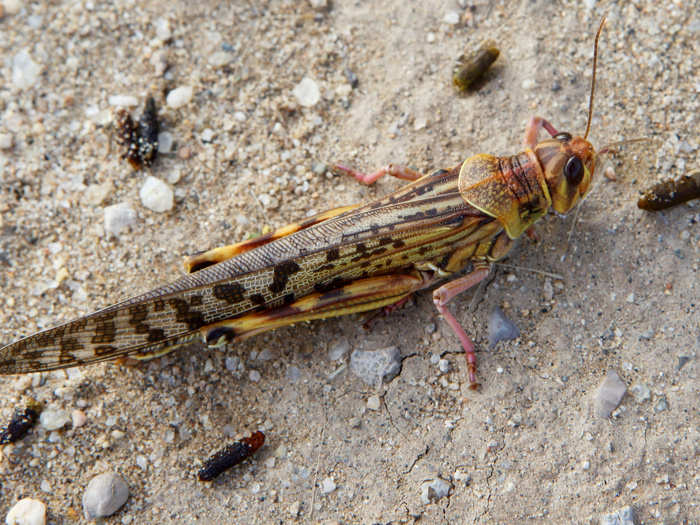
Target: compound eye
x,y
563,136
573,171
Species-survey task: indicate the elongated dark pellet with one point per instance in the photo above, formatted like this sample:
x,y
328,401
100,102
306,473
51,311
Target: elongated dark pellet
x,y
140,140
231,456
148,133
471,66
671,192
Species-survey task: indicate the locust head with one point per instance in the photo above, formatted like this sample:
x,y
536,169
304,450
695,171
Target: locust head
x,y
568,164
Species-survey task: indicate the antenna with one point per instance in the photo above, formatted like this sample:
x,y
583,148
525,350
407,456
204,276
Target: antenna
x,y
595,63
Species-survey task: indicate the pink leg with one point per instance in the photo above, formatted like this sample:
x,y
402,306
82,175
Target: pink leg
x,y
533,128
442,296
400,172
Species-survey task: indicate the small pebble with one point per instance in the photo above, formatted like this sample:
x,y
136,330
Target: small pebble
x,y
104,495
207,135
293,374
78,418
96,194
501,328
307,92
163,31
373,402
444,366
25,72
27,511
434,490
610,393
5,141
12,7
375,366
319,5
624,516
180,96
123,101
254,376
118,217
53,419
232,363
641,392
451,18
528,83
165,142
327,486
339,350
156,195
661,405
682,360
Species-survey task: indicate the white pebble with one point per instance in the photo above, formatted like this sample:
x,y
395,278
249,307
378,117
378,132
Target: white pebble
x,y
163,31
54,418
78,418
118,217
156,195
434,490
27,511
373,402
327,486
528,83
254,376
451,18
5,141
165,142
307,92
12,7
207,135
339,350
25,72
319,4
180,96
45,486
444,366
104,495
96,194
430,38
123,101
219,58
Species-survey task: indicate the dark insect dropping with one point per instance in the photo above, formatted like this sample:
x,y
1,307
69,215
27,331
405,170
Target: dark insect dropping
x,y
22,420
148,133
141,141
230,456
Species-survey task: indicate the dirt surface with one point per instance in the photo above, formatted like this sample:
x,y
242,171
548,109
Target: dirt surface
x,y
528,446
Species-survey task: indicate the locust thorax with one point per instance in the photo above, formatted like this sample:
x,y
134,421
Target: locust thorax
x,y
568,164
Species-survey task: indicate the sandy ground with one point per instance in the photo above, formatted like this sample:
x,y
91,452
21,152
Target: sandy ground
x,y
527,447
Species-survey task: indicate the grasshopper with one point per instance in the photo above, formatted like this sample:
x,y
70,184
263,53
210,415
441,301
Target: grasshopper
x,y
347,260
